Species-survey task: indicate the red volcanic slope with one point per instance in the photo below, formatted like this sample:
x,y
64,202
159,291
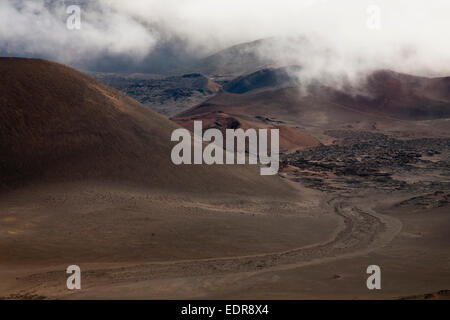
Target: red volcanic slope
x,y
290,139
384,96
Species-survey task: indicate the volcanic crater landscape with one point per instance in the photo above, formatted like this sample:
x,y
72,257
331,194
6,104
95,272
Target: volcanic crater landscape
x,y
87,179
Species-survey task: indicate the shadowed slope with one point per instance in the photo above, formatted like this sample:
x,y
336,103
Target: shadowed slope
x,y
58,124
384,95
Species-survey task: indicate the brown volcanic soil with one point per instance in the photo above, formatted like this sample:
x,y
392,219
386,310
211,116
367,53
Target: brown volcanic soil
x,y
385,101
402,96
202,232
58,124
87,179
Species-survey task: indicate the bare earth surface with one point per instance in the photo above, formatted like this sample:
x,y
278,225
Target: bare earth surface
x,y
136,245
86,179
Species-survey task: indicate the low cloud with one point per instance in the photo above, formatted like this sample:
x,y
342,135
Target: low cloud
x,y
345,36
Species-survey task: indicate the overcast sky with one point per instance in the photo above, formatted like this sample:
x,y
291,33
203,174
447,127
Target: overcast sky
x,y
405,35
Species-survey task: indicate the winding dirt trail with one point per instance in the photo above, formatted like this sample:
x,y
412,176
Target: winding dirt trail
x,y
362,231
